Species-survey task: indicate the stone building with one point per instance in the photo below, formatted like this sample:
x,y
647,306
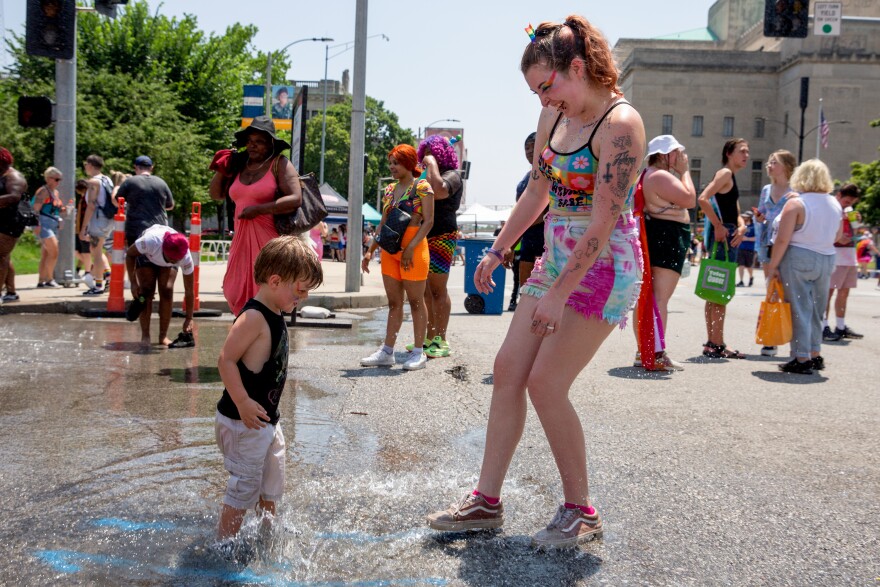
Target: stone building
x,y
728,80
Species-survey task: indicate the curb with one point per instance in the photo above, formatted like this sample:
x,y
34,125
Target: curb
x,y
94,308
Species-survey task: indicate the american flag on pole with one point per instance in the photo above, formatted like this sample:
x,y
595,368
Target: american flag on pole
x,y
824,131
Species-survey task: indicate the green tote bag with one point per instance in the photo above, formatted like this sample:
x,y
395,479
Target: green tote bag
x,y
716,281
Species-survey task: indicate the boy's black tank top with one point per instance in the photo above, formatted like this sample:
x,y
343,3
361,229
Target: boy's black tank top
x,y
266,386
727,204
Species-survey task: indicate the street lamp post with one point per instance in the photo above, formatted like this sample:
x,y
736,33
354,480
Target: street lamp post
x,y
269,68
327,57
802,135
429,125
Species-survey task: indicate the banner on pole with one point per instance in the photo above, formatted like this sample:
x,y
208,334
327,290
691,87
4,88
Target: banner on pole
x,y
252,104
298,130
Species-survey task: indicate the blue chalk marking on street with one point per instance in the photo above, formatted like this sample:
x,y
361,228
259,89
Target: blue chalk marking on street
x,y
366,538
68,561
129,526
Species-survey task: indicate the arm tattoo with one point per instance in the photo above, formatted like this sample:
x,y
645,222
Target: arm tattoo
x,y
607,177
615,210
625,164
592,246
622,142
535,174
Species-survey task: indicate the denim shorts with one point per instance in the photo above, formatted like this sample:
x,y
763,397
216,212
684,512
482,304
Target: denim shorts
x,y
100,227
48,227
254,460
611,286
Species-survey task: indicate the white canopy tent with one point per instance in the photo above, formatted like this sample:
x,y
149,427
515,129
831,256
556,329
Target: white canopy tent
x,y
479,214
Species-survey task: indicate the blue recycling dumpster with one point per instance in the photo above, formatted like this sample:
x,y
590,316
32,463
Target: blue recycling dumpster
x,y
476,302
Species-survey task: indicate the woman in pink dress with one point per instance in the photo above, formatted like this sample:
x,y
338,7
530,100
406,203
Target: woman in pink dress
x,y
250,179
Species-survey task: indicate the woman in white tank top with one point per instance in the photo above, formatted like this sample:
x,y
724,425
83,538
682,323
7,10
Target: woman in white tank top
x,y
803,258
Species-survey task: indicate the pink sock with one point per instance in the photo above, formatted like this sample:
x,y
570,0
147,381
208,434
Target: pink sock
x,y
587,509
489,500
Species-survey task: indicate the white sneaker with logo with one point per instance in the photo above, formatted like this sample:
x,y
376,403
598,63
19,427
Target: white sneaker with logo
x,y
415,360
378,359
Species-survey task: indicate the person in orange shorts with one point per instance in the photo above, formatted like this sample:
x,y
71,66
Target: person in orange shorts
x,y
405,271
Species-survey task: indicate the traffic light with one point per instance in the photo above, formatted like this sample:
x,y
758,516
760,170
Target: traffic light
x,y
786,18
108,7
51,28
34,111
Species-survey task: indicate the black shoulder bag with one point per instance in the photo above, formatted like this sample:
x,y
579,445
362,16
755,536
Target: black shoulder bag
x,y
391,234
311,210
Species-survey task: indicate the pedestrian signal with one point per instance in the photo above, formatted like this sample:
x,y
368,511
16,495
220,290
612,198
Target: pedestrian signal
x,y
51,28
786,18
34,111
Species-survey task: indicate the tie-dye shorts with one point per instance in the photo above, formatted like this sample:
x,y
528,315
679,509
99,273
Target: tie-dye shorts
x,y
610,289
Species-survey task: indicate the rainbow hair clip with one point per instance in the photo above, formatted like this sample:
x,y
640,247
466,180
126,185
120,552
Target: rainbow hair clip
x,y
530,31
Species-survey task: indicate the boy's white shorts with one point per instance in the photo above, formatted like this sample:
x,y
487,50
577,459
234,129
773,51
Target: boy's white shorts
x,y
254,459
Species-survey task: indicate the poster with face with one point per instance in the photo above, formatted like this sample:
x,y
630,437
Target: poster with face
x,y
282,102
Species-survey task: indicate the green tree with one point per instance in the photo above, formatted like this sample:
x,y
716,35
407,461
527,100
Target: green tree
x,y
382,133
147,84
867,177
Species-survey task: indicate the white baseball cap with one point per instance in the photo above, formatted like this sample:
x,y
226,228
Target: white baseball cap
x,y
663,145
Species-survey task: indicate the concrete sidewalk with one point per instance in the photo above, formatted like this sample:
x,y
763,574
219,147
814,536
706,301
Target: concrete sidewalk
x,y
331,294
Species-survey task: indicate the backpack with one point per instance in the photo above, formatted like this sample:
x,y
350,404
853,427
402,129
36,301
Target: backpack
x,y
108,209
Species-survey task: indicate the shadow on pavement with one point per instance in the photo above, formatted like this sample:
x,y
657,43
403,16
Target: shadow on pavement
x,y
367,372
192,375
790,378
489,559
637,373
132,347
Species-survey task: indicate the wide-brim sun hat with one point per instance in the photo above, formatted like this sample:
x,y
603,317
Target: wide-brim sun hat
x,y
663,145
261,123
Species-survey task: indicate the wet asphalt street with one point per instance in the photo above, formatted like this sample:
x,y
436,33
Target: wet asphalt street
x,y
729,473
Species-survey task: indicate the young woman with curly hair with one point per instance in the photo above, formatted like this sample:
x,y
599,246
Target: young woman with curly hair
x,y
438,157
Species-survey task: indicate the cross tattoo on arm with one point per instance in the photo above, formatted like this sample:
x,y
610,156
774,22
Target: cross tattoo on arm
x,y
607,177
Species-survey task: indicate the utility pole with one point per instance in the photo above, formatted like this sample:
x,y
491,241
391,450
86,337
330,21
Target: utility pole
x,y
65,160
355,239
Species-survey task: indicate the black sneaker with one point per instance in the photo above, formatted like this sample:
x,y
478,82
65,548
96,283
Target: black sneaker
x,y
95,291
740,284
818,363
847,333
795,366
183,340
135,309
829,336
511,307
751,281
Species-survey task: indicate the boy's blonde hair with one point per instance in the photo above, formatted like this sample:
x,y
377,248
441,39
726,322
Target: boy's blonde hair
x,y
289,258
812,176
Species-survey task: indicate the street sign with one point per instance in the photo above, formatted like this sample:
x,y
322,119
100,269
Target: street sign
x,y
826,18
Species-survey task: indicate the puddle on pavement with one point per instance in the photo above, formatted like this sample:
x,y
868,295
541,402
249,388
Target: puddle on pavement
x,y
111,474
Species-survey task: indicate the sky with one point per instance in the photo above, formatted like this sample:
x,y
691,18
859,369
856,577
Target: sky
x,y
456,59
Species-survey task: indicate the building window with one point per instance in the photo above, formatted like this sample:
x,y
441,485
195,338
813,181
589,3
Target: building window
x,y
759,128
667,125
696,167
697,128
785,131
727,129
757,176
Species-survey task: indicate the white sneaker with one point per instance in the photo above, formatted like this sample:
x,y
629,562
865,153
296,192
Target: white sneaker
x,y
768,351
415,360
378,359
89,281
